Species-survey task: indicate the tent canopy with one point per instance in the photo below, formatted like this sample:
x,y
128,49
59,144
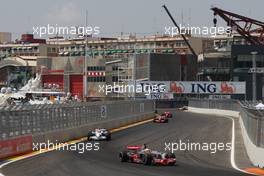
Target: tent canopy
x,y
260,106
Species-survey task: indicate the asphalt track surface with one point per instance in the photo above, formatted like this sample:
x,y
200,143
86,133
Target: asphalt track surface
x,y
105,162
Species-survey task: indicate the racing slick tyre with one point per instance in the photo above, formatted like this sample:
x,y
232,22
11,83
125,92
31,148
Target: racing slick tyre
x,y
123,156
147,160
153,163
89,135
170,155
167,121
108,137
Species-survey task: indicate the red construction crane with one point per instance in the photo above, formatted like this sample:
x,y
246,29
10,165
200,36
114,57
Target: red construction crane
x,y
243,25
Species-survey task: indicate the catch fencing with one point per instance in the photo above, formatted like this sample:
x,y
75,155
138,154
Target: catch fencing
x,y
33,120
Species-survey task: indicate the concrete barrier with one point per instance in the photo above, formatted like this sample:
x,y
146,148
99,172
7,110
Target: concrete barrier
x,y
255,154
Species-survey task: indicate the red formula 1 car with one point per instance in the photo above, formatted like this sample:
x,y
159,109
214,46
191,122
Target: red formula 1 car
x,y
142,155
161,119
167,114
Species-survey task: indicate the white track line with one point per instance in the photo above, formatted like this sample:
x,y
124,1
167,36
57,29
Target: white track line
x,y
113,131
232,155
12,161
35,154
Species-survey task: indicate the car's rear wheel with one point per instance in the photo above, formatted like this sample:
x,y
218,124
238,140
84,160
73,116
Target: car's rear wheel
x,y
170,155
123,156
147,160
171,164
108,137
153,162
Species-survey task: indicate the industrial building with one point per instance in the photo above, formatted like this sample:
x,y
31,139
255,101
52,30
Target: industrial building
x,y
68,73
61,61
242,62
232,62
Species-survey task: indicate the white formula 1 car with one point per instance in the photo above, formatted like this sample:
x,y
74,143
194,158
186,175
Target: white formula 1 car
x,y
99,135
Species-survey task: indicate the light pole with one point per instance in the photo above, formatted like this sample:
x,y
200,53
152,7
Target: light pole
x,y
85,60
254,78
134,71
118,79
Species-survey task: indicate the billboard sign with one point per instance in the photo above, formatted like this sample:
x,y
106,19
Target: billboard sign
x,y
219,97
192,87
15,146
189,87
158,96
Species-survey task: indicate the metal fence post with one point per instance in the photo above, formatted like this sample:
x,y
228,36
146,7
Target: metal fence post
x,y
258,142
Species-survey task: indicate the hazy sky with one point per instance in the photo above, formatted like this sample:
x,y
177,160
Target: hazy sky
x,y
144,17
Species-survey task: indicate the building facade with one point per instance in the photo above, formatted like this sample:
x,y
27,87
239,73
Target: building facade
x,y
109,60
5,37
231,60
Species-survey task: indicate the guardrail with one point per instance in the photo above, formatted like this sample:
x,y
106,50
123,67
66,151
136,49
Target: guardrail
x,y
253,119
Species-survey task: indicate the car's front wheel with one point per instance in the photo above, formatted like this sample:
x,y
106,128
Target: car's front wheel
x,y
108,137
123,156
89,135
147,160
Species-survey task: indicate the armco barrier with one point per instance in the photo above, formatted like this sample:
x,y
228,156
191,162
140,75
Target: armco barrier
x,y
251,122
63,122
